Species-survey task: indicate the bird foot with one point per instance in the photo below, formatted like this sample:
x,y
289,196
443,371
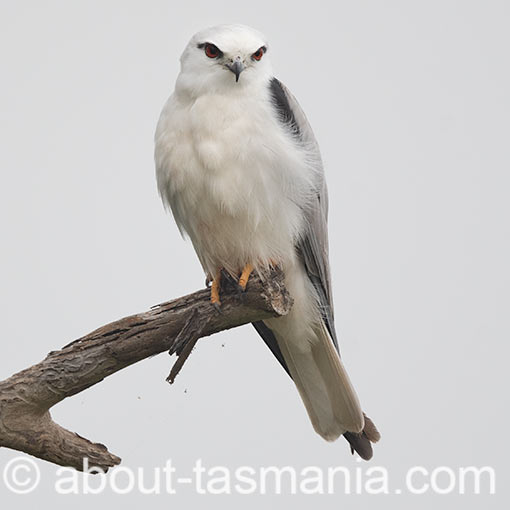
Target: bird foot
x,y
215,290
241,284
245,276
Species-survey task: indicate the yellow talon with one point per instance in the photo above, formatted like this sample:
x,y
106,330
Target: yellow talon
x,y
245,276
215,289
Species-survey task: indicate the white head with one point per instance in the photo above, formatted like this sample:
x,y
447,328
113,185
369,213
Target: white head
x,y
224,59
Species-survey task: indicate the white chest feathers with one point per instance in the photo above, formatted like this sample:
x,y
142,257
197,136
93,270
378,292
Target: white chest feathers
x,y
235,180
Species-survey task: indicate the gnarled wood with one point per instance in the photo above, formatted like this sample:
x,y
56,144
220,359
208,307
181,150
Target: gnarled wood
x,y
26,397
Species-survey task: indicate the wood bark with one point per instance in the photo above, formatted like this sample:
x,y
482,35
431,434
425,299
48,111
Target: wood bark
x,y
175,326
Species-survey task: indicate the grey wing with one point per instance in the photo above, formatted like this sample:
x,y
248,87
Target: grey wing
x,y
313,248
313,245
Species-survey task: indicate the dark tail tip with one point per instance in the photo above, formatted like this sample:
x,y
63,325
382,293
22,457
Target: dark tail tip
x,y
362,443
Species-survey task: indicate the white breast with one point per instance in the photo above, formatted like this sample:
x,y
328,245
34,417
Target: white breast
x,y
235,180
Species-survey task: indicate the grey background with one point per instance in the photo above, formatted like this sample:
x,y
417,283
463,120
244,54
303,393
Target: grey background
x,y
409,102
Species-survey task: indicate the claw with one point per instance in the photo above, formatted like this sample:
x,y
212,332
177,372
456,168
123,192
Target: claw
x,y
215,290
245,276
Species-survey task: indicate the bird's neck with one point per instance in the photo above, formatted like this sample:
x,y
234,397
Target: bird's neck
x,y
189,88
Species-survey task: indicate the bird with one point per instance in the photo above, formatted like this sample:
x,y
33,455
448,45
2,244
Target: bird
x,y
240,169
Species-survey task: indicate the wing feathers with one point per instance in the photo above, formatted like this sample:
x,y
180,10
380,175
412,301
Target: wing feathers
x,y
319,374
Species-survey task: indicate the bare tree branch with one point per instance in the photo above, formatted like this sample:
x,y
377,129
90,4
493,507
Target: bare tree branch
x,y
175,326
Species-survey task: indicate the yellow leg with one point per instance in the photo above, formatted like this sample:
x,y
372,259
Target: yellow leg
x,y
245,276
215,289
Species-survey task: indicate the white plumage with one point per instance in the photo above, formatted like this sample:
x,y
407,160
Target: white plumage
x,y
245,189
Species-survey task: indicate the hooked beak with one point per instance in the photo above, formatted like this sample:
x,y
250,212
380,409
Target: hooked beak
x,y
237,67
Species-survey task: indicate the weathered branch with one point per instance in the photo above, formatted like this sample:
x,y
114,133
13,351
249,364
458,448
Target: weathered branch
x,y
175,326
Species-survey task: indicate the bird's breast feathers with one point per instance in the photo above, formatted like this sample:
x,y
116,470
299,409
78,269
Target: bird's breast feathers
x,y
235,178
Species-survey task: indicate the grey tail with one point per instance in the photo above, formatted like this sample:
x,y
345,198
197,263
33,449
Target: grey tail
x,y
360,443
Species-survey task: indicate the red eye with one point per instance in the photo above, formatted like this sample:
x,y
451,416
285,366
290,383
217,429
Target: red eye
x,y
212,51
259,53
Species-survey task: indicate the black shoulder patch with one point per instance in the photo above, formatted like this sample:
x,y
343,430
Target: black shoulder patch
x,y
283,108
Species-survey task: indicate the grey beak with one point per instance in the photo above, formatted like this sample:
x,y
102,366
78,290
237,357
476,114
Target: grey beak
x,y
237,68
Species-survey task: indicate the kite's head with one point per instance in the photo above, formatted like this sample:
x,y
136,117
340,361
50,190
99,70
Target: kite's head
x,y
224,57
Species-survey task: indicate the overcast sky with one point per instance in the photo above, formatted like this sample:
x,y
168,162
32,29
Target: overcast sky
x,y
410,105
